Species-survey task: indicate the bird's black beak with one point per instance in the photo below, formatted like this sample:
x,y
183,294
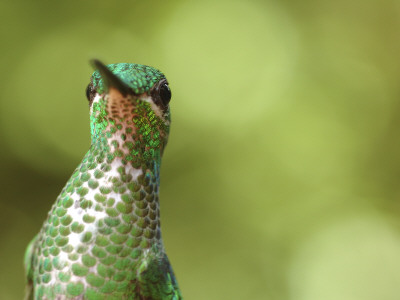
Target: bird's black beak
x,y
110,80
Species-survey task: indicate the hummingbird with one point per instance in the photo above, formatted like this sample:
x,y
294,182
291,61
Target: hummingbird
x,y
102,237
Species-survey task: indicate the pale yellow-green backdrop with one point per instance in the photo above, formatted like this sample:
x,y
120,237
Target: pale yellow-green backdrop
x,y
281,179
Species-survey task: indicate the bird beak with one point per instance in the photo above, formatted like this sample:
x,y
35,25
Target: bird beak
x,y
110,80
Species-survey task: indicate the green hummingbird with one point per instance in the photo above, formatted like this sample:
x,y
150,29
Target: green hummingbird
x,y
102,237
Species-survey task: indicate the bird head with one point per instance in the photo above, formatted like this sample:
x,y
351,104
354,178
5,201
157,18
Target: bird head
x,y
129,112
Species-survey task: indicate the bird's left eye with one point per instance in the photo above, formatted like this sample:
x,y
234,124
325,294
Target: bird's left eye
x,y
165,93
161,93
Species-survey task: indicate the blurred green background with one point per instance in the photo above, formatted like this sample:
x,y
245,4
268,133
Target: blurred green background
x,y
281,177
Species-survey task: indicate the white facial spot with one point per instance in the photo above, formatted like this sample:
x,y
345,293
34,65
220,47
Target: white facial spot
x,y
96,99
157,110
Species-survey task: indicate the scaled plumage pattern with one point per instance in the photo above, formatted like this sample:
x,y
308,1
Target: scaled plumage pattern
x,y
102,237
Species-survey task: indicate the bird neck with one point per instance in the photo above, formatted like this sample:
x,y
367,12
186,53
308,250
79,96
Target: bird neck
x,y
127,132
125,196
128,177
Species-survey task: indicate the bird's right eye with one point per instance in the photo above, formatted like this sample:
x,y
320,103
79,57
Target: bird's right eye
x,y
89,92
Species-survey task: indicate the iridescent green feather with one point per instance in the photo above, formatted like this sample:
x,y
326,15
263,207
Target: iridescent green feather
x,y
102,237
156,279
139,78
28,264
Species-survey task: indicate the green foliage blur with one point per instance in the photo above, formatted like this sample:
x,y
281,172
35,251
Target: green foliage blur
x,y
281,177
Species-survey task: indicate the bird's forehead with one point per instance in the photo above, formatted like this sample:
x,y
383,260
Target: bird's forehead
x,y
139,78
114,96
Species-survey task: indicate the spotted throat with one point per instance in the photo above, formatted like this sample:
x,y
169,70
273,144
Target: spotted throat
x,y
102,237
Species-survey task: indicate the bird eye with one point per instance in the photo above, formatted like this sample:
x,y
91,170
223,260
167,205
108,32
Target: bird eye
x,y
165,93
88,92
161,93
